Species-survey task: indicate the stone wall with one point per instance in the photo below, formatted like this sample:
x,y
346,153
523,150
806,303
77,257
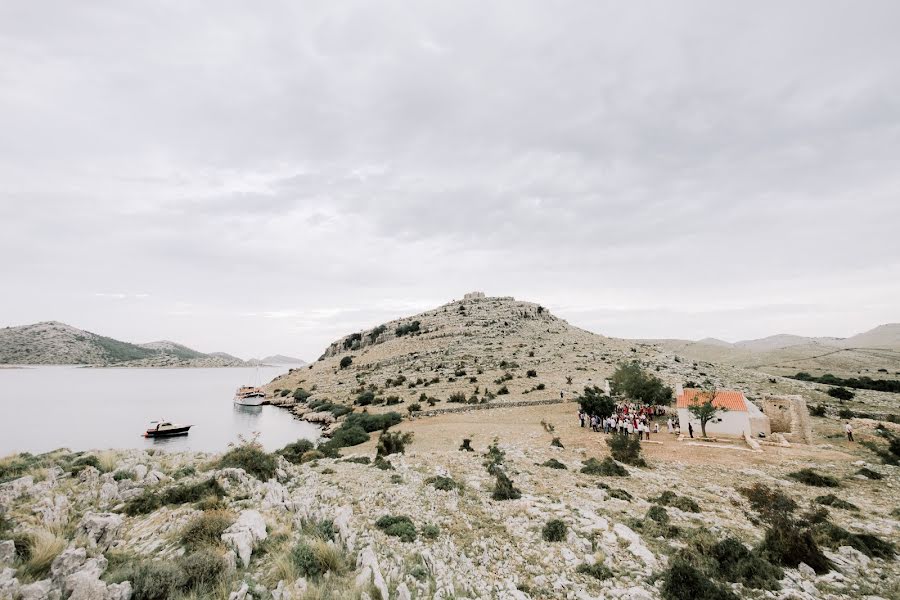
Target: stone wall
x,y
789,415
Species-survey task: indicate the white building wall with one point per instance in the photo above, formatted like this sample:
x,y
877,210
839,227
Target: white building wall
x,y
733,423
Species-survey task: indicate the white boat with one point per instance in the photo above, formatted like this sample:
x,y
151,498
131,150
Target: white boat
x,y
249,396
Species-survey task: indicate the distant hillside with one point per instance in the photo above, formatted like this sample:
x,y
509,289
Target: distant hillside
x,y
55,343
870,352
281,359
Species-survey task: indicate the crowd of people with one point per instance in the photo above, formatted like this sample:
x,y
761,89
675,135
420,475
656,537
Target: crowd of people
x,y
633,419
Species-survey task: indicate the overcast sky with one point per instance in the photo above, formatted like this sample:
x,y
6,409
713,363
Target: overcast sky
x,y
265,177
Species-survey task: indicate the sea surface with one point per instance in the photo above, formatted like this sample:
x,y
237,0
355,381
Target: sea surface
x,y
44,408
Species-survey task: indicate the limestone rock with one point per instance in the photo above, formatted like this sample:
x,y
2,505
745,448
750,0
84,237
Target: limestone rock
x,y
245,533
100,529
7,552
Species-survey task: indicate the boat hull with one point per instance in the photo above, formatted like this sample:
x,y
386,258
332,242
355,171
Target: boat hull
x,y
168,432
250,400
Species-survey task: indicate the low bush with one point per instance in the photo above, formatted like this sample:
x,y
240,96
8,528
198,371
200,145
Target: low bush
x,y
82,462
787,544
442,483
36,550
553,464
597,570
503,487
294,451
841,393
393,442
150,500
360,460
346,362
122,475
626,449
817,411
431,531
300,395
365,398
556,443
870,474
466,445
251,458
615,492
832,500
206,529
737,564
201,570
380,463
414,407
554,531
392,400
607,468
669,498
503,391
810,477
457,398
683,581
833,536
314,558
398,526
151,579
322,529
531,373
846,413
772,505
407,328
371,422
338,410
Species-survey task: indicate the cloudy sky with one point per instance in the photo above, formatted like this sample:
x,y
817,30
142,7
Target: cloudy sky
x,y
264,177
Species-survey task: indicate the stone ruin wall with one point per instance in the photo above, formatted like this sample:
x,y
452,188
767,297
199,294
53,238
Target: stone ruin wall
x,y
789,415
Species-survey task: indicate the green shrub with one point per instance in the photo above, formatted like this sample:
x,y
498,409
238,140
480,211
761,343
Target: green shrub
x,y
554,531
556,443
442,483
414,407
252,459
322,529
380,463
669,498
504,488
82,462
553,464
626,449
615,492
202,570
305,560
457,398
735,563
149,500
817,411
683,581
294,451
870,474
398,526
841,393
365,398
347,435
503,391
122,475
607,468
185,471
338,410
772,505
206,529
392,400
431,531
407,328
370,422
631,380
833,536
658,514
832,500
788,545
144,504
346,362
156,580
531,373
810,477
846,413
597,570
360,460
300,395
393,442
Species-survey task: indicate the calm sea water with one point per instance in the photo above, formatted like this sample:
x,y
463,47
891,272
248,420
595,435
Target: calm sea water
x,y
44,408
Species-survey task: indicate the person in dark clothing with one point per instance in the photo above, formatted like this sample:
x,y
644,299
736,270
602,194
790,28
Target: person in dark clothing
x,y
690,430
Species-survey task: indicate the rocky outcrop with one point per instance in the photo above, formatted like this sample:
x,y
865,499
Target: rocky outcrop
x,y
245,534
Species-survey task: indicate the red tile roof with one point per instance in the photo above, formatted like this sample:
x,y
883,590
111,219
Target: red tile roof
x,y
728,399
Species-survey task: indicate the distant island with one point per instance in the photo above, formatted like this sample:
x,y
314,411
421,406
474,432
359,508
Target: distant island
x,y
55,343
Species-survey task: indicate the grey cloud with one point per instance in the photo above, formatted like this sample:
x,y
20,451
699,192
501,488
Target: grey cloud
x,y
341,153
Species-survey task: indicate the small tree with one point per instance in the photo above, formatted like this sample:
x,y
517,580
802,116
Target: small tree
x,y
595,402
346,362
704,410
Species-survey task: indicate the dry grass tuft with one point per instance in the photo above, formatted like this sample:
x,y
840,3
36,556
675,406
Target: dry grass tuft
x,y
44,546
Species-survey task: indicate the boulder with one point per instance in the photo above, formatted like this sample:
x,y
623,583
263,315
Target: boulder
x,y
243,593
100,529
7,552
109,493
140,471
245,533
369,571
39,590
53,512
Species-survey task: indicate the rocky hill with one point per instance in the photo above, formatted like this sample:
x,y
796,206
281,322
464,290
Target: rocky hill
x,y
54,343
